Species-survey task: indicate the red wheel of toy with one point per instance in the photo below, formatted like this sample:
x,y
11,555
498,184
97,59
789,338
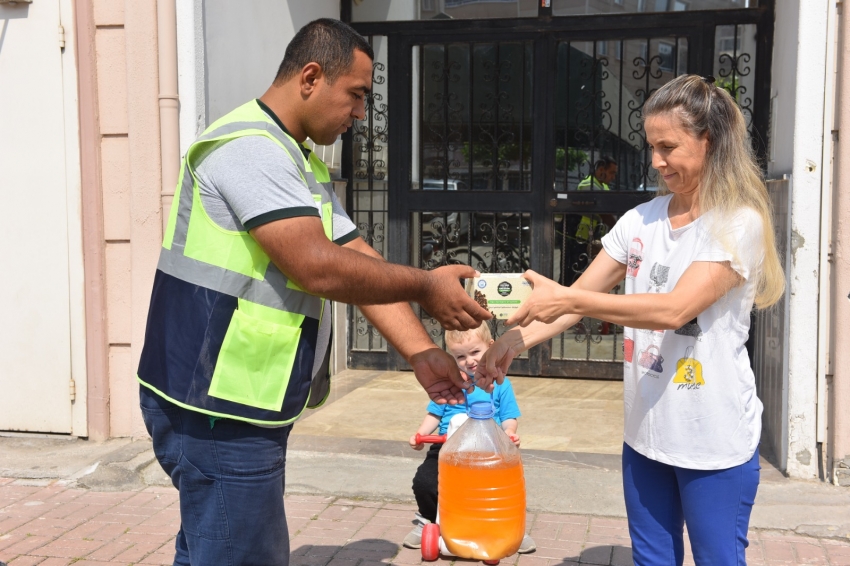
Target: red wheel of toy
x,y
491,562
430,541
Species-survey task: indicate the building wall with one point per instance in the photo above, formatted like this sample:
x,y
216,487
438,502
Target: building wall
x,y
42,339
799,72
122,186
124,205
219,70
838,434
191,72
244,44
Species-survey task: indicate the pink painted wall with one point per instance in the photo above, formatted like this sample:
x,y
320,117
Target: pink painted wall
x,y
838,449
123,122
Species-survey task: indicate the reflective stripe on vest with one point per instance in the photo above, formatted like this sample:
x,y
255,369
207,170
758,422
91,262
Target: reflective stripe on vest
x,y
255,367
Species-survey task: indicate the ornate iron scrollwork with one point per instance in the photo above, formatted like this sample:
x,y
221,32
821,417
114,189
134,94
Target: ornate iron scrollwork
x,y
495,110
444,112
371,134
733,67
370,138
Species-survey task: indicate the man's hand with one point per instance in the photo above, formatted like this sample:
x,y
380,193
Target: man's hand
x,y
413,443
546,302
447,301
439,376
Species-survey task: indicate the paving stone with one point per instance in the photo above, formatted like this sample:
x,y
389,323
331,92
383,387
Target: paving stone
x,y
408,556
533,560
622,556
27,560
594,554
778,551
52,525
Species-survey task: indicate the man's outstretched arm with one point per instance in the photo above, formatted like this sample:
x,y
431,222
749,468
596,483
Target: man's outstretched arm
x,y
299,247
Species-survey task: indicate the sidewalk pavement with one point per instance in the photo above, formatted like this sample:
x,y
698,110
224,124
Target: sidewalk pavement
x,y
51,524
72,502
349,502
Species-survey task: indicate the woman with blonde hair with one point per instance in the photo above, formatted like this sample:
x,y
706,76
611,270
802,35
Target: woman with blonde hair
x,y
695,259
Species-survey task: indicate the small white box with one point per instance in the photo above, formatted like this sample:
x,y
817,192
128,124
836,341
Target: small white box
x,y
500,293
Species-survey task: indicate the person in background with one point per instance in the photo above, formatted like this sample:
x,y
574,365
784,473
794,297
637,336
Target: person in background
x,y
466,347
695,259
592,227
604,172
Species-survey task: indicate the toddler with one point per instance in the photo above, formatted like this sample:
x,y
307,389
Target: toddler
x,y
467,348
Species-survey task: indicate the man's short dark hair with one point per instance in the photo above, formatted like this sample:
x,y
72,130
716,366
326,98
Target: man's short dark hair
x,y
604,162
325,41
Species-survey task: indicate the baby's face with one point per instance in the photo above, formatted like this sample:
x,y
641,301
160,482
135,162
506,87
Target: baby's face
x,y
468,353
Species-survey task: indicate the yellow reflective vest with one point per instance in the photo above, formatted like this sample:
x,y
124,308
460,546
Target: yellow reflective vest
x,y
228,334
587,225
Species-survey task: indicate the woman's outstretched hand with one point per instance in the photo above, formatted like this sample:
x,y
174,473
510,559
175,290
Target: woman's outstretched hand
x,y
493,365
545,304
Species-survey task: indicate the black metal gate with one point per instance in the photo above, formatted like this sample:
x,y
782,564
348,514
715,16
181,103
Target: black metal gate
x,y
510,144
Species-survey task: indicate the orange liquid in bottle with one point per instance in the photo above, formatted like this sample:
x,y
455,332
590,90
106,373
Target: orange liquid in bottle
x,y
481,506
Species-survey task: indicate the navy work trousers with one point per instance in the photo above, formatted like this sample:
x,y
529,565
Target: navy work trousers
x,y
715,504
230,476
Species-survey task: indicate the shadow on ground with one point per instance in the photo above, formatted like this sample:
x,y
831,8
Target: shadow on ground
x,y
373,551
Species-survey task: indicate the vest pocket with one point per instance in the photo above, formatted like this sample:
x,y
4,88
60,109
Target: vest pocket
x,y
255,362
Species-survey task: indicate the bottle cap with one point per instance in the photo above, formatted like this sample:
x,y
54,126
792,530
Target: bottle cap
x,y
481,410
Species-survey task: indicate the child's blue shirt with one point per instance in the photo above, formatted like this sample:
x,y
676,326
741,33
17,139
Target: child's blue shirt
x,y
503,398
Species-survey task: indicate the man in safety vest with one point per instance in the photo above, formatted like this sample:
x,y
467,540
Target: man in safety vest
x,y
604,172
238,330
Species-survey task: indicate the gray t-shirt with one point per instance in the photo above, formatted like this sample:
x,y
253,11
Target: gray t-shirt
x,y
251,180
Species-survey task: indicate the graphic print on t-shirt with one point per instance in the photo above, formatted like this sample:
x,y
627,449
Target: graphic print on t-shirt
x,y
651,359
691,329
688,371
710,413
635,257
658,276
628,349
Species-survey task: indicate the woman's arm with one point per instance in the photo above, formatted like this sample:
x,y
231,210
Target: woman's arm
x,y
702,284
602,275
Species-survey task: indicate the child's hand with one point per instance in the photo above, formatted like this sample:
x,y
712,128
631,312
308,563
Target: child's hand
x,y
514,438
413,444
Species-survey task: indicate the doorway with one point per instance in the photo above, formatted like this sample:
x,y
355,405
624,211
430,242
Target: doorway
x,y
514,144
41,293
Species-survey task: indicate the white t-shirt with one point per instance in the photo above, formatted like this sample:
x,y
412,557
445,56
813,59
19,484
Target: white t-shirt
x,y
690,395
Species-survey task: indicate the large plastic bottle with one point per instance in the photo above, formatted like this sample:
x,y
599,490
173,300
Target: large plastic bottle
x,y
481,501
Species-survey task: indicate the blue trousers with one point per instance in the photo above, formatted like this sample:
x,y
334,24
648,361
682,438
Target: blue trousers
x,y
715,504
230,476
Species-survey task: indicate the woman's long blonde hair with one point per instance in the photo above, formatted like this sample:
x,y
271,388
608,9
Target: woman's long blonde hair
x,y
731,179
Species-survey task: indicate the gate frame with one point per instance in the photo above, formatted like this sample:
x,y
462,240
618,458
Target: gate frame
x,y
546,31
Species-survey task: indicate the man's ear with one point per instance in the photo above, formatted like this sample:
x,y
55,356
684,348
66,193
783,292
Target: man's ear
x,y
310,75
